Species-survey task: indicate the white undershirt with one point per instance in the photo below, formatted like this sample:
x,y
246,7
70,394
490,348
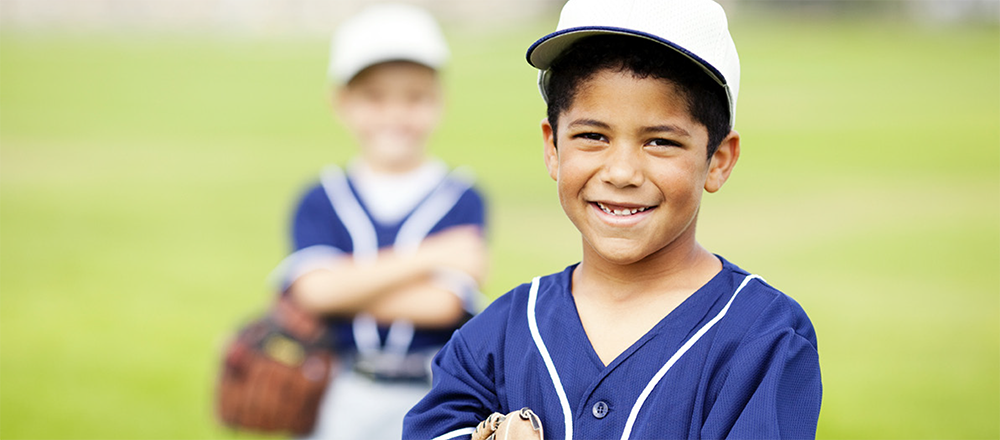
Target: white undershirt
x,y
391,196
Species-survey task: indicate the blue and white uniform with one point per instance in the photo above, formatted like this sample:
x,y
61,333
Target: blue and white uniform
x,y
384,369
737,359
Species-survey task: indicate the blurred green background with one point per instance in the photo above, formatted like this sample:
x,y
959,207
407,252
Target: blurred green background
x,y
147,178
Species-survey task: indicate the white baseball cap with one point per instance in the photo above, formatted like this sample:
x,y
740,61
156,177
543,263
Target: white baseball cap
x,y
386,32
698,29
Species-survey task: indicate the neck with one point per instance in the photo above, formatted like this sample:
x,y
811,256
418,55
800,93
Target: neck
x,y
665,273
383,167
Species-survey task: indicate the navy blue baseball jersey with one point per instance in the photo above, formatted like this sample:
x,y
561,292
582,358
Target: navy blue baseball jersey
x,y
333,220
737,359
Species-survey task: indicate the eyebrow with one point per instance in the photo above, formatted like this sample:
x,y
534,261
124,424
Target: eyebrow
x,y
651,129
667,128
589,123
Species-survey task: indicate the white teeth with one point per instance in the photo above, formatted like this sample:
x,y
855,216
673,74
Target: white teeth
x,y
619,212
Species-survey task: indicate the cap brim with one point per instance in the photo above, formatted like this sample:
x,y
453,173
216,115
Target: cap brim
x,y
543,52
546,49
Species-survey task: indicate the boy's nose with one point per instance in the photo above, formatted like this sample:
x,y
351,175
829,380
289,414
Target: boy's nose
x,y
622,168
394,112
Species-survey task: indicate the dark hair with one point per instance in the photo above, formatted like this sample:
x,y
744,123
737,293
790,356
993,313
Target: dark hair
x,y
706,100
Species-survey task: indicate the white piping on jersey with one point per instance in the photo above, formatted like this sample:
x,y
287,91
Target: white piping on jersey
x,y
673,359
366,337
533,327
438,203
456,433
397,342
564,402
365,243
360,228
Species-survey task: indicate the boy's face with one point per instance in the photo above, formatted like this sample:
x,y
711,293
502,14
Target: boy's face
x,y
392,108
631,165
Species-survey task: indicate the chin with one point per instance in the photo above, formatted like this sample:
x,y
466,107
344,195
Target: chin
x,y
399,160
623,260
620,254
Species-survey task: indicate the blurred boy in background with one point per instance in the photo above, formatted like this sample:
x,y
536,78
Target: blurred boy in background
x,y
390,249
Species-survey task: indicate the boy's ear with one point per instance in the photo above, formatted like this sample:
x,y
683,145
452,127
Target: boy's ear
x,y
551,154
338,96
722,162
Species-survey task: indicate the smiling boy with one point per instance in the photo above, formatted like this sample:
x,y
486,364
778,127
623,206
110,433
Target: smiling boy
x,y
650,335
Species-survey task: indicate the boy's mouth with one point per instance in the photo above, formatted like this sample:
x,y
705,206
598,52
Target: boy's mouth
x,y
621,210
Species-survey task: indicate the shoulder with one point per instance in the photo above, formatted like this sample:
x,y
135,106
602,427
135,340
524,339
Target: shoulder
x,y
314,219
761,309
781,313
313,192
463,180
458,198
765,332
314,203
317,191
331,184
763,368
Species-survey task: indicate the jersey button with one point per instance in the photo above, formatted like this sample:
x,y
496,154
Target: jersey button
x,y
600,409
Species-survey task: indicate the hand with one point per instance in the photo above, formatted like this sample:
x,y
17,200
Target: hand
x,y
460,248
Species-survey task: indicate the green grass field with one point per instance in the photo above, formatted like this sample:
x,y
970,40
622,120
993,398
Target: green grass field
x,y
146,183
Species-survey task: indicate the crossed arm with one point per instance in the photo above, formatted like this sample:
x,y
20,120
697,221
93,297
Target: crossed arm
x,y
398,286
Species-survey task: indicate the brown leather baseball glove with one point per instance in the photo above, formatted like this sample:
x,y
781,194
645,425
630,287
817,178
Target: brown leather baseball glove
x,y
518,425
275,372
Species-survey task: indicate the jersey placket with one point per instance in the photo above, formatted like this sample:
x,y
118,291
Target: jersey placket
x,y
599,406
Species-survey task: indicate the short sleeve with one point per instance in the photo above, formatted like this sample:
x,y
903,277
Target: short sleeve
x,y
470,209
315,223
773,389
318,236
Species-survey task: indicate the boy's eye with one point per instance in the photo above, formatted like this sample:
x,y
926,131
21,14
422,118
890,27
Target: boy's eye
x,y
590,136
372,96
417,97
664,143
